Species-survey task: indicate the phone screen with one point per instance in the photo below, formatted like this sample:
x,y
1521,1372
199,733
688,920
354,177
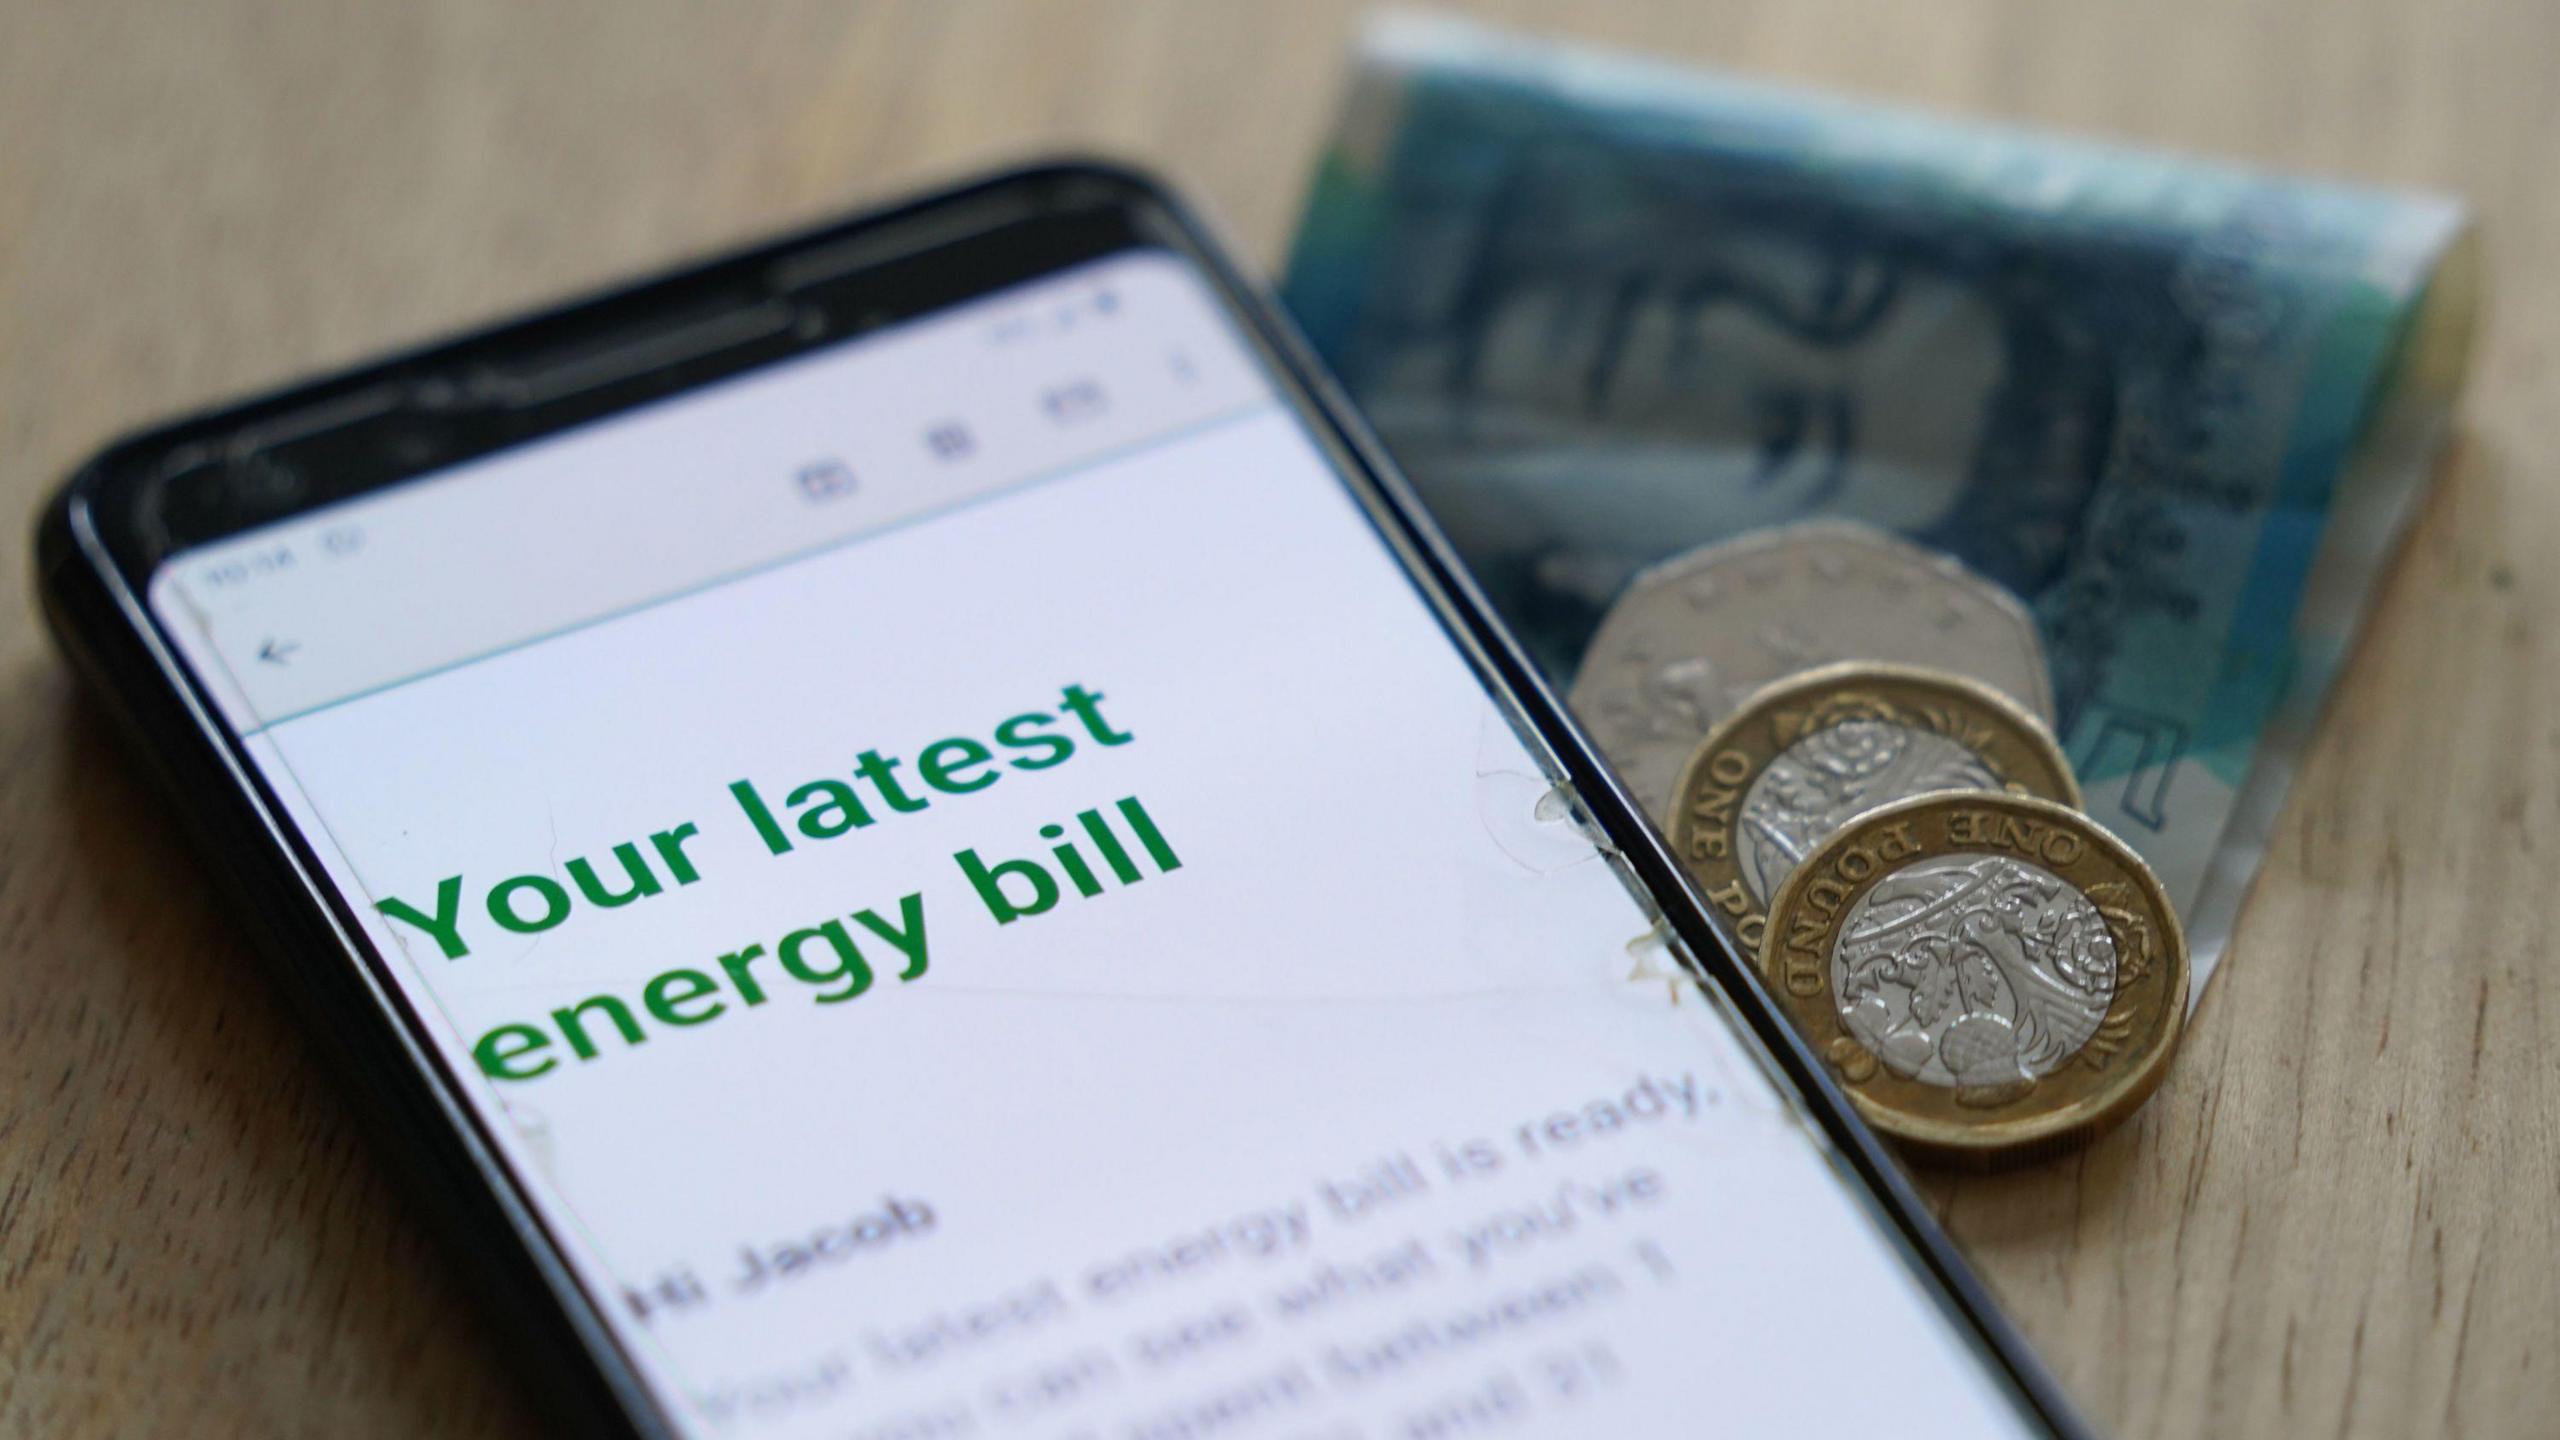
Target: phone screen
x,y
974,896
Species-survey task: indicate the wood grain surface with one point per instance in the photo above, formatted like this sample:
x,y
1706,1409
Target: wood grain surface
x,y
2341,1215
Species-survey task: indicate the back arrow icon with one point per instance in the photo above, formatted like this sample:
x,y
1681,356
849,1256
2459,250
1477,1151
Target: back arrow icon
x,y
275,651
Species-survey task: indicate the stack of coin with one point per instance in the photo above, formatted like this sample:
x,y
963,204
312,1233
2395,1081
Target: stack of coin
x,y
1691,638
1990,974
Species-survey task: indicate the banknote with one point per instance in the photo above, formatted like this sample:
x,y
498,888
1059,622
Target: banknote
x,y
1605,312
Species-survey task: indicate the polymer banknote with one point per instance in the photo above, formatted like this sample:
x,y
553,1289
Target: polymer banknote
x,y
1605,312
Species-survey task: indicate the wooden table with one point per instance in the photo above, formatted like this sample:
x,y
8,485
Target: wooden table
x,y
2342,1215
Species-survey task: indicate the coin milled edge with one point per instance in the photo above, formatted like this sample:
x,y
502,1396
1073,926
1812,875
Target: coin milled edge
x,y
1988,1143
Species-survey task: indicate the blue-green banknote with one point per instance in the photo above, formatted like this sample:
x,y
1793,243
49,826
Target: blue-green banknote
x,y
1606,312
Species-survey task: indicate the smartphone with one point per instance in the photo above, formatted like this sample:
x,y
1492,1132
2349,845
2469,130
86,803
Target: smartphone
x,y
908,833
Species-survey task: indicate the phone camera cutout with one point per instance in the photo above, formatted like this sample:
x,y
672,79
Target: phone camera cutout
x,y
259,480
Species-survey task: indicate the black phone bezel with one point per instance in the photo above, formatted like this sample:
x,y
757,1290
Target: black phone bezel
x,y
185,483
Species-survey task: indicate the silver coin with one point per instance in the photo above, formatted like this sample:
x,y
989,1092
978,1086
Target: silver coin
x,y
1694,636
1972,970
1831,777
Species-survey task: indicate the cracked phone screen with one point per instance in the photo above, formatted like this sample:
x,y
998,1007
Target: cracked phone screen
x,y
974,896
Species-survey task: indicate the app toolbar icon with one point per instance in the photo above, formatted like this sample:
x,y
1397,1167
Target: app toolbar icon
x,y
1075,400
826,478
